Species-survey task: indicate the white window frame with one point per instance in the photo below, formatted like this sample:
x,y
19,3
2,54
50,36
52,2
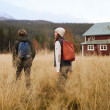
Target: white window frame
x,y
102,47
90,47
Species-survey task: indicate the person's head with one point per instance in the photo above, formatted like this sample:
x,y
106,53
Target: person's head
x,y
22,32
59,32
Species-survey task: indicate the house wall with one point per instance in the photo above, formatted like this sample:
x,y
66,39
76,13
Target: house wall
x,y
88,52
96,50
104,37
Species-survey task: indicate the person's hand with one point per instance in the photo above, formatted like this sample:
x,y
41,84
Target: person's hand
x,y
70,71
59,73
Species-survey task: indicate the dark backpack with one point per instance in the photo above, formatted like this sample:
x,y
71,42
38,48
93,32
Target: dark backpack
x,y
24,50
68,51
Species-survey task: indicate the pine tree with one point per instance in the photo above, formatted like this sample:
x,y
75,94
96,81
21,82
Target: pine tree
x,y
1,39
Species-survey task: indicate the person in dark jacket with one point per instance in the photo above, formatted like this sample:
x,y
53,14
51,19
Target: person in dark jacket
x,y
62,66
23,63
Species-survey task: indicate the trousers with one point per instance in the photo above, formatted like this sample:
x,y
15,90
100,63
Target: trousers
x,y
27,71
63,77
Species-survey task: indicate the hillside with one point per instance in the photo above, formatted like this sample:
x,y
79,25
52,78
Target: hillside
x,y
42,31
75,28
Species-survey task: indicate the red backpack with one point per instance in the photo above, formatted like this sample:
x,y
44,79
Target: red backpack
x,y
68,51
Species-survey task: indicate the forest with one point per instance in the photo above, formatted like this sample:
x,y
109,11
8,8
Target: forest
x,y
41,32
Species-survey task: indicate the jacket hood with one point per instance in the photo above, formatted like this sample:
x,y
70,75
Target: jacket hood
x,y
23,39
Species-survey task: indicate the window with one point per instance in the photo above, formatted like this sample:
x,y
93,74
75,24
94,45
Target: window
x,y
93,38
90,47
103,47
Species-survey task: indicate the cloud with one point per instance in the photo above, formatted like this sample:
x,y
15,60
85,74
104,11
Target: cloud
x,y
57,10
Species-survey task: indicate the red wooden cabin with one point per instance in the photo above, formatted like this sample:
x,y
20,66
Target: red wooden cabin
x,y
97,40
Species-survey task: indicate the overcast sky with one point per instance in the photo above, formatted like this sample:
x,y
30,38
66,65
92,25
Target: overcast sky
x,y
58,10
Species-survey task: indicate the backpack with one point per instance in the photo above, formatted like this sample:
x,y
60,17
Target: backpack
x,y
68,51
24,50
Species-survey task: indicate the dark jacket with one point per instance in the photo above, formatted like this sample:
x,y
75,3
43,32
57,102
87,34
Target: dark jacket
x,y
63,62
17,62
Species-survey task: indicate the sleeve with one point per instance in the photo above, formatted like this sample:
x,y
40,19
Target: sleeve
x,y
14,57
71,66
58,55
33,50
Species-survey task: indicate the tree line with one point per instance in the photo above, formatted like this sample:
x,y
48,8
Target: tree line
x,y
42,33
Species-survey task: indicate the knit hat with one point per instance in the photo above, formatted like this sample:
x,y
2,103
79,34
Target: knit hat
x,y
60,31
22,32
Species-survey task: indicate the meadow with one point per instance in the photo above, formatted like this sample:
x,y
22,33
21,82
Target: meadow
x,y
87,88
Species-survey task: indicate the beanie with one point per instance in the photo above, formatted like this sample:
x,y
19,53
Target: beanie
x,y
60,31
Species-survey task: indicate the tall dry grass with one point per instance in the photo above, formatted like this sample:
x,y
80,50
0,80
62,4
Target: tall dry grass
x,y
87,88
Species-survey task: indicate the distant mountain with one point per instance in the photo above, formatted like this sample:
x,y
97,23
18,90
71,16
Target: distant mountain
x,y
32,21
4,16
28,22
41,22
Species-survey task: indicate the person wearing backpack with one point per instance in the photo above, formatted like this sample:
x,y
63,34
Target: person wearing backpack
x,y
62,66
23,55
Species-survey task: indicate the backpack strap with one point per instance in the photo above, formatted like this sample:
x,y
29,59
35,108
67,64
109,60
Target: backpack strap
x,y
61,43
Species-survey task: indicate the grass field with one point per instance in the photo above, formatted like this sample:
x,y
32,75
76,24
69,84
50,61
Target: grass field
x,y
87,88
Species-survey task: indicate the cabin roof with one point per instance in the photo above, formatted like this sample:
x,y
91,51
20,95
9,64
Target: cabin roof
x,y
98,29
